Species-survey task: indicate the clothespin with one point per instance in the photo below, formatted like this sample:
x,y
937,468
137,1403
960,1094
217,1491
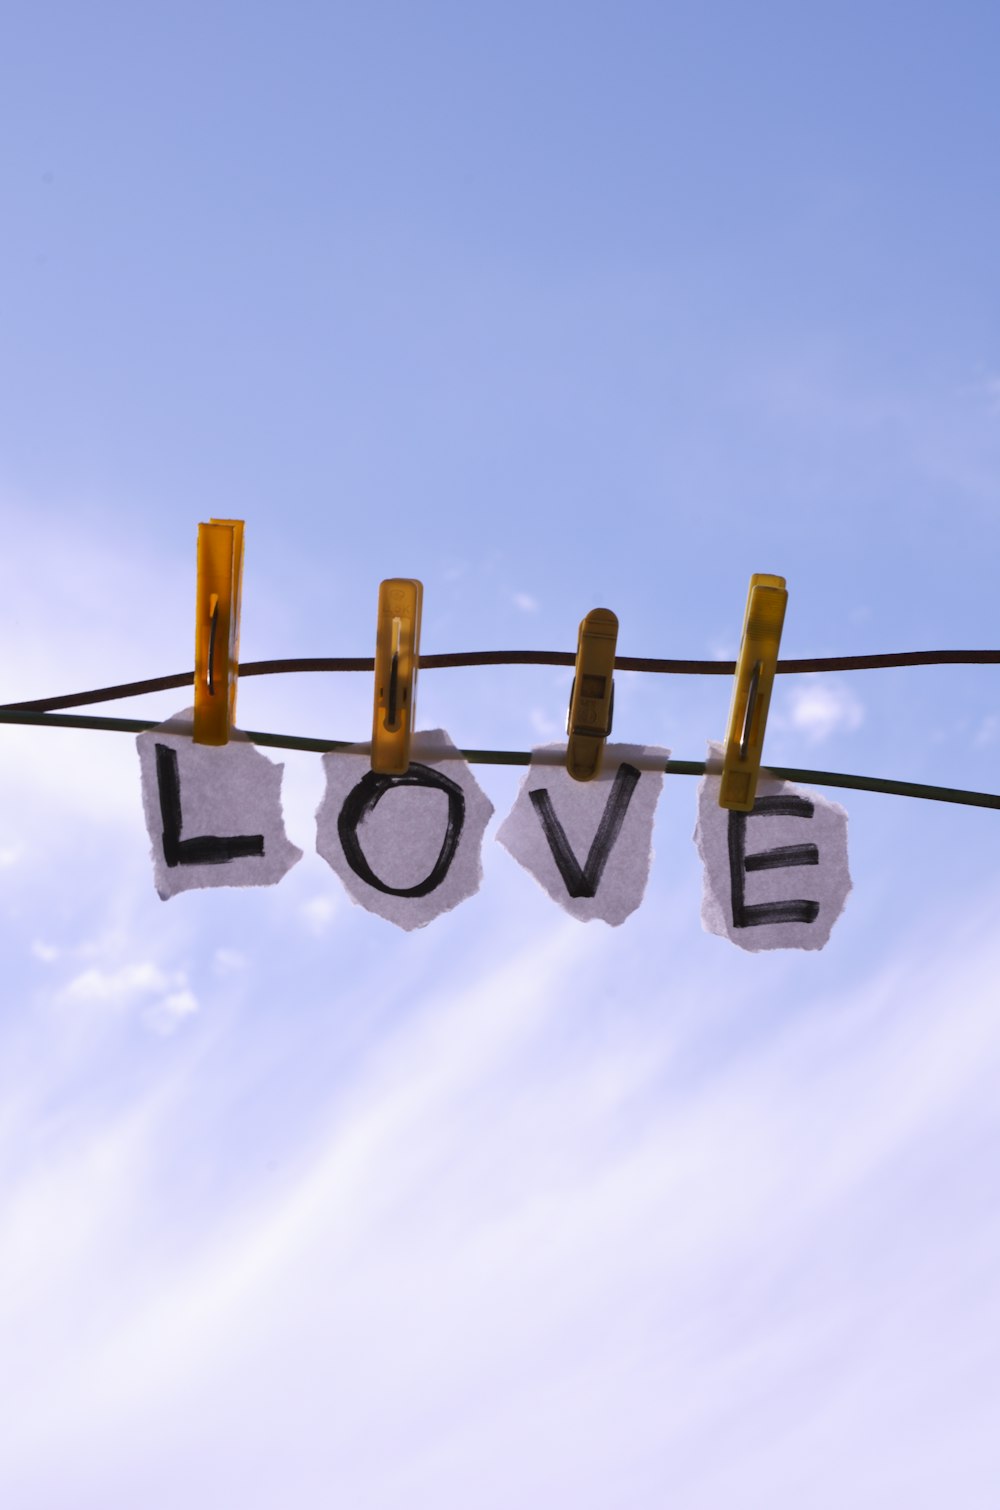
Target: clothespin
x,y
762,624
592,698
397,651
217,629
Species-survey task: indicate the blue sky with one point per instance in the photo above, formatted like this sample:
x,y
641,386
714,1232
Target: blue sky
x,y
550,306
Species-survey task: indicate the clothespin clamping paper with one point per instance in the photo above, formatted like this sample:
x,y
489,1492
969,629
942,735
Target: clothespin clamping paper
x,y
217,629
592,699
397,651
762,625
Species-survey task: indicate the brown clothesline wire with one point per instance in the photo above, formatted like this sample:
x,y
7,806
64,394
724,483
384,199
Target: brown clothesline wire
x,y
43,710
516,658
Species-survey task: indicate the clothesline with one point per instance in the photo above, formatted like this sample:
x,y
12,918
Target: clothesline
x,y
517,658
518,757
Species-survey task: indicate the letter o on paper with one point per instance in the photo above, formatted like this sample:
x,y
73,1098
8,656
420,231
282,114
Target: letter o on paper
x,y
365,797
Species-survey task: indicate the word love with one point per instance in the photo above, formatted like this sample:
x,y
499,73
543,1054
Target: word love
x,y
410,847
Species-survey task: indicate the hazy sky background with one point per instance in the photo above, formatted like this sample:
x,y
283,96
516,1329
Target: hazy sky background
x,y
551,306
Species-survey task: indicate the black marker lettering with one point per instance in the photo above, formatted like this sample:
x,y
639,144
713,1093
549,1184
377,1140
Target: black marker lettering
x,y
740,863
584,883
365,797
206,849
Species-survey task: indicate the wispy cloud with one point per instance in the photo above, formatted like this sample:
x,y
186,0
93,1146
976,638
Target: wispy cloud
x,y
319,912
818,708
988,732
991,391
544,725
228,962
164,996
547,1265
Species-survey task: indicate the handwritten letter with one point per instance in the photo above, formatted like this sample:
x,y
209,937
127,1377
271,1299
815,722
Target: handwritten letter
x,y
588,843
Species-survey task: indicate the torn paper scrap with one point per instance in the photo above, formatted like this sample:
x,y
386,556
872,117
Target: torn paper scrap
x,y
588,843
406,847
775,878
213,811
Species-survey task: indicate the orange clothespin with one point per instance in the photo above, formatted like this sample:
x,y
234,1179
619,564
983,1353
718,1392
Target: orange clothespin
x,y
397,652
592,698
758,658
217,629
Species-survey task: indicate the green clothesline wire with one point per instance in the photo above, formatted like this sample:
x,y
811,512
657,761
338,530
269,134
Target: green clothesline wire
x,y
515,757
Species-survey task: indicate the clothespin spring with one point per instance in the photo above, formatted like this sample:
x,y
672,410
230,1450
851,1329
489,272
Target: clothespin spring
x,y
751,705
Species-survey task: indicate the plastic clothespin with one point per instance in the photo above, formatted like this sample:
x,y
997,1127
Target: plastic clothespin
x,y
755,669
217,629
397,651
592,698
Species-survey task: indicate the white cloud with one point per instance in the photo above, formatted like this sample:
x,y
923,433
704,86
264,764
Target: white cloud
x,y
818,708
100,581
987,732
525,602
319,912
228,962
165,1016
118,988
164,996
45,952
60,773
545,726
547,1261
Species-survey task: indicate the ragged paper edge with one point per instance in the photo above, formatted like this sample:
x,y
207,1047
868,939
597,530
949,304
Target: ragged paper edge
x,y
427,747
647,759
713,912
181,725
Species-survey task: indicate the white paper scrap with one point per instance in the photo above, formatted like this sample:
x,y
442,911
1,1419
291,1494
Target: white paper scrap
x,y
775,878
213,811
406,847
588,843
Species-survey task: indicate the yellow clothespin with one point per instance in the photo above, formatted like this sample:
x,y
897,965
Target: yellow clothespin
x,y
592,699
217,629
397,651
755,668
